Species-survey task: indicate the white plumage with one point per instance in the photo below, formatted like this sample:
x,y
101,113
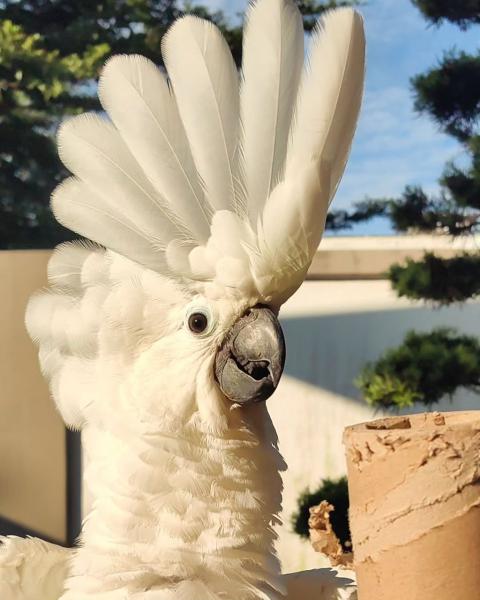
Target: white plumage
x,y
31,569
272,64
329,99
140,103
205,83
205,195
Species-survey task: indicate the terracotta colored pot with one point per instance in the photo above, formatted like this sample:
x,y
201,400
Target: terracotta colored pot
x,y
414,486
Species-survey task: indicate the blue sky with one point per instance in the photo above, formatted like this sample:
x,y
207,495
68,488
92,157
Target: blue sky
x,y
394,146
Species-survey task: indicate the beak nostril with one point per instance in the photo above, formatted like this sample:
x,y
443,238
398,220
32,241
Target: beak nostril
x,y
259,372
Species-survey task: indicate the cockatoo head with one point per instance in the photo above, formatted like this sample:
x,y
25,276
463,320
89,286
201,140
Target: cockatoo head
x,y
209,189
246,342
213,355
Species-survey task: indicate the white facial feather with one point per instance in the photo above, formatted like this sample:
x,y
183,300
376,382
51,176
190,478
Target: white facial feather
x,y
160,438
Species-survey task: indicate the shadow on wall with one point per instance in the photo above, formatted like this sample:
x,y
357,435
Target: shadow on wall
x,y
329,350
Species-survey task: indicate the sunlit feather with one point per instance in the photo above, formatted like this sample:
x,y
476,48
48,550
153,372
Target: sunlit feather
x,y
205,81
271,68
142,107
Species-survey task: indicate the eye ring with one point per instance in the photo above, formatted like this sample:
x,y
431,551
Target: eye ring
x,y
199,320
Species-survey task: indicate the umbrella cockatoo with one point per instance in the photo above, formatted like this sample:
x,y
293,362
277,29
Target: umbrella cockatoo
x,y
204,196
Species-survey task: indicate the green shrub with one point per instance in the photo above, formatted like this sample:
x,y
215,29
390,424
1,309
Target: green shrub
x,y
440,280
426,367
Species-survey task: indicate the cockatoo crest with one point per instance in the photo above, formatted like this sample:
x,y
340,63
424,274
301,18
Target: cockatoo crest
x,y
217,179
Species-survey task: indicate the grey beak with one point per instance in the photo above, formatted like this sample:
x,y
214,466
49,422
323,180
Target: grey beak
x,y
250,362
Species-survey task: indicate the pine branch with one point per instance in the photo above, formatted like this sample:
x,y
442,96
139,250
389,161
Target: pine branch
x,y
464,184
450,93
415,211
338,220
463,13
425,368
442,281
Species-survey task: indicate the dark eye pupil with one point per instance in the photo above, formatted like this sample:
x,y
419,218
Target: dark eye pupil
x,y
197,322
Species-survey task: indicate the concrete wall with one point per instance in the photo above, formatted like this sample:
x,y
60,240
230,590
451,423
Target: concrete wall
x,y
32,435
369,257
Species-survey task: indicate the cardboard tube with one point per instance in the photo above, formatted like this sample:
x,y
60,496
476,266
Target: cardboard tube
x,y
414,485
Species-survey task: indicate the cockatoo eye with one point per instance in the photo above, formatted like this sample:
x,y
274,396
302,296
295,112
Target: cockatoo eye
x,y
199,320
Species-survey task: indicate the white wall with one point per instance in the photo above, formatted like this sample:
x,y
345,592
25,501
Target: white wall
x,y
332,328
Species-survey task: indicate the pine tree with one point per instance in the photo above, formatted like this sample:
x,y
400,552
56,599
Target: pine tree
x,y
36,90
427,367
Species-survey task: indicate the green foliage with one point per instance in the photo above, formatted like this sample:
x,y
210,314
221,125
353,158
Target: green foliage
x,y
385,390
462,12
70,26
362,211
36,87
334,491
464,184
50,53
311,9
450,93
440,280
415,211
426,367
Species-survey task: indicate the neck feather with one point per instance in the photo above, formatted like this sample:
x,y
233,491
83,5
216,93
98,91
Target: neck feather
x,y
181,516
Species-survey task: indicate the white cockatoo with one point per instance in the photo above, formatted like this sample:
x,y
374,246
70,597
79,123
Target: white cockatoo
x,y
204,194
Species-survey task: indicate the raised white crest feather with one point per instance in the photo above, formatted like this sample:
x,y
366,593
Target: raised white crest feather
x,y
271,68
79,208
330,95
205,82
93,149
140,103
